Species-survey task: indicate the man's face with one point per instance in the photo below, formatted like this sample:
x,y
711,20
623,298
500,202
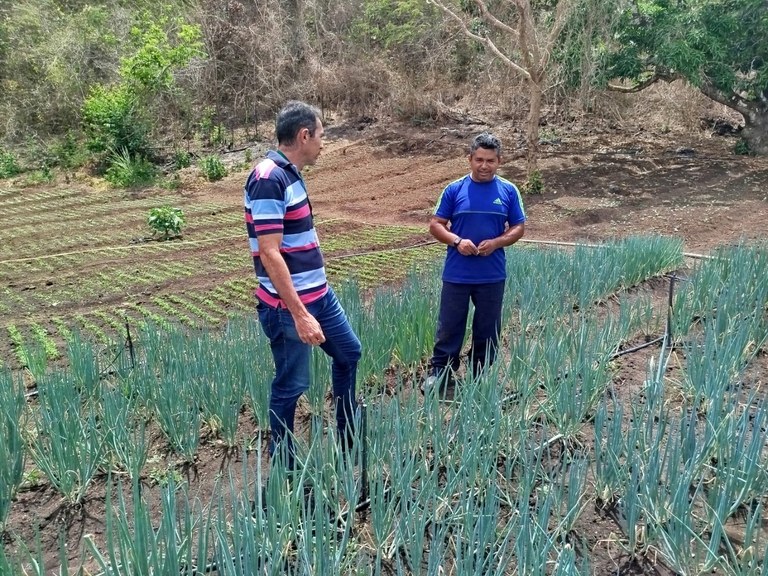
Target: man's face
x,y
312,145
483,164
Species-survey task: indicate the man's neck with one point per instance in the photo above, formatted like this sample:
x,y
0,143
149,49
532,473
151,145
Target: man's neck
x,y
292,155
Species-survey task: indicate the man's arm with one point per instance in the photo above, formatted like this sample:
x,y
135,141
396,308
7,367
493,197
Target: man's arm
x,y
269,252
509,237
438,227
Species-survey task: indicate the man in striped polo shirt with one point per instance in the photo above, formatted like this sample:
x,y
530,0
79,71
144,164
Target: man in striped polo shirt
x,y
297,308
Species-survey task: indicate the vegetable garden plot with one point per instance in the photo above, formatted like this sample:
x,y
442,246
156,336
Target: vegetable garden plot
x,y
498,481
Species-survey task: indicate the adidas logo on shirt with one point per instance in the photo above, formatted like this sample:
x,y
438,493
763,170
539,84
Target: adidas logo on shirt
x,y
497,201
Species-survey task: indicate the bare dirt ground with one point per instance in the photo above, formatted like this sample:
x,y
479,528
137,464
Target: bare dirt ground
x,y
600,184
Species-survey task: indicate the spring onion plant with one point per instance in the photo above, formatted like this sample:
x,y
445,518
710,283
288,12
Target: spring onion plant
x,y
178,414
255,529
740,463
135,546
84,364
734,278
252,365
611,472
68,445
575,369
124,431
12,450
715,363
218,385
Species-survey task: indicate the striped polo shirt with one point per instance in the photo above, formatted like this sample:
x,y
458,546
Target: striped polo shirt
x,y
276,202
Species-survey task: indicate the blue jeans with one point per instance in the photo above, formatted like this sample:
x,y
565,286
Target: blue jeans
x,y
292,368
452,324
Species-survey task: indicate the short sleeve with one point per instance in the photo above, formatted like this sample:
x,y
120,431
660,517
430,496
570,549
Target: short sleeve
x,y
516,214
266,201
446,203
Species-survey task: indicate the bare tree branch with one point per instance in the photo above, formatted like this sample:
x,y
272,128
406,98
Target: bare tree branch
x,y
640,86
528,41
495,22
731,100
483,39
562,13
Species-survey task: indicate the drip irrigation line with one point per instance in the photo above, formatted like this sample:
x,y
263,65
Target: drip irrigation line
x,y
636,348
127,344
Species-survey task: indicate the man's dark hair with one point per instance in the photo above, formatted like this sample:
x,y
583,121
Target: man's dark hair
x,y
292,118
486,140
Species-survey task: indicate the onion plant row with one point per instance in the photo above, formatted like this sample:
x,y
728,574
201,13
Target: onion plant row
x,y
494,482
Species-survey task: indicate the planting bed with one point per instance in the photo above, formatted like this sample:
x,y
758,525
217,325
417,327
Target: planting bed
x,y
372,198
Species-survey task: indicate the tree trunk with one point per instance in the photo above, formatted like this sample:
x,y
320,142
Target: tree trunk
x,y
296,33
532,131
756,130
755,113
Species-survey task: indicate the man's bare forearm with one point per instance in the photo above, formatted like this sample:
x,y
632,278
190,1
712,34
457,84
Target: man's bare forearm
x,y
511,235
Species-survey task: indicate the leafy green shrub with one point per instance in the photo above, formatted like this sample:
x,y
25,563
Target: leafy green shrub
x,y
112,121
742,148
166,220
42,176
181,159
68,153
9,166
534,184
213,168
172,182
126,171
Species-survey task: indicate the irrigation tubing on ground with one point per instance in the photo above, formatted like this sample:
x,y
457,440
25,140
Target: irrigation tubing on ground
x,y
668,329
127,344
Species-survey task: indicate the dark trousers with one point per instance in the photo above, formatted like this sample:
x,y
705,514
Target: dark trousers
x,y
292,367
452,324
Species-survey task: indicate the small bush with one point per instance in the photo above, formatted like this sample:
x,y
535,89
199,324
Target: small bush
x,y
534,184
112,121
181,159
9,166
68,153
742,148
42,176
213,168
172,182
126,171
166,220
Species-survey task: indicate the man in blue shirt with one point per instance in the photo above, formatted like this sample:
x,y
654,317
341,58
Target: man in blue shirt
x,y
477,216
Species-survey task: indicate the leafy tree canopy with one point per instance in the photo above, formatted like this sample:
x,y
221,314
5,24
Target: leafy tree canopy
x,y
719,46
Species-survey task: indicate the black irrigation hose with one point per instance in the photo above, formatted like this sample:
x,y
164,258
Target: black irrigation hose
x,y
127,344
668,330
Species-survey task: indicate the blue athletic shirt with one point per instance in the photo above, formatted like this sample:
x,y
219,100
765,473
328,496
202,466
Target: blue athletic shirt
x,y
479,211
